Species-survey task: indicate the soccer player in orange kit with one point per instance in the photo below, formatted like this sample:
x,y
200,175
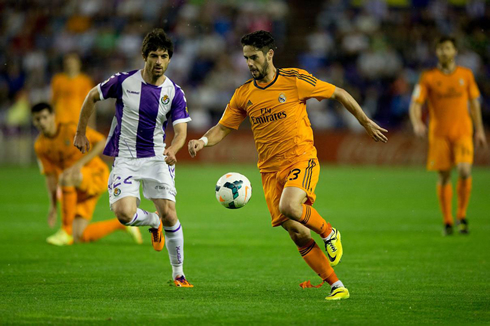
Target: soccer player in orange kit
x,y
82,178
275,102
448,89
69,89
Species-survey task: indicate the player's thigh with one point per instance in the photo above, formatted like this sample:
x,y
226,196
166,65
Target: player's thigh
x,y
159,180
304,175
94,180
124,182
272,192
440,156
463,150
86,205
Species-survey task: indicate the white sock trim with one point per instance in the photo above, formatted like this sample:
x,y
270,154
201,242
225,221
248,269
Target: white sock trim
x,y
173,228
337,284
329,236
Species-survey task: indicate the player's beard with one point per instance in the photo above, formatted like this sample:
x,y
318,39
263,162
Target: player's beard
x,y
158,73
263,72
445,62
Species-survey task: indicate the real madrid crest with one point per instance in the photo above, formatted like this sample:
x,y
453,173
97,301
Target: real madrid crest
x,y
165,99
282,98
117,192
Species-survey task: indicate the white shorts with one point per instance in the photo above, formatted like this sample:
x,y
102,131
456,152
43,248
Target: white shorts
x,y
157,178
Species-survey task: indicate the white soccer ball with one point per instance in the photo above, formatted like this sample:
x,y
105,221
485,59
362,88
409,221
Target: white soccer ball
x,y
233,190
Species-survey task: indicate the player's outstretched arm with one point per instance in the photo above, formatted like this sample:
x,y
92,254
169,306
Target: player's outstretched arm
x,y
75,169
419,127
180,134
81,142
210,138
373,130
475,112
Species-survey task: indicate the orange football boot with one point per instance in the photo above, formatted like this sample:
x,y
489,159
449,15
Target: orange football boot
x,y
157,237
181,282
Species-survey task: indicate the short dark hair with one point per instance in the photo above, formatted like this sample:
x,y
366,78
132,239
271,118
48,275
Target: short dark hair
x,y
42,106
261,40
446,38
155,40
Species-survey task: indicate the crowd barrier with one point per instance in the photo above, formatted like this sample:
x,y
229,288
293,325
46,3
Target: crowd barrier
x,y
402,149
342,148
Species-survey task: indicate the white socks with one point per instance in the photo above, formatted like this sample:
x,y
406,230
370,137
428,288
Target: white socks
x,y
144,218
174,238
174,241
329,236
337,284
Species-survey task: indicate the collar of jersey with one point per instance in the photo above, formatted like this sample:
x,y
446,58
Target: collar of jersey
x,y
450,74
140,75
270,84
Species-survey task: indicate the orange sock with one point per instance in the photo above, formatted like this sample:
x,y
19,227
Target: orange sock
x,y
98,230
68,208
463,189
445,196
313,221
316,259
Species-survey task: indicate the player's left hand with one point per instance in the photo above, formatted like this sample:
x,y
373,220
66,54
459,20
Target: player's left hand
x,y
375,132
480,139
170,158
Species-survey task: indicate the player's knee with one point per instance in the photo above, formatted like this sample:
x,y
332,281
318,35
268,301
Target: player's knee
x,y
464,172
124,214
444,177
291,210
66,180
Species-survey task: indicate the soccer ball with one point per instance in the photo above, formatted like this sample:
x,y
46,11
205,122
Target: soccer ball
x,y
233,190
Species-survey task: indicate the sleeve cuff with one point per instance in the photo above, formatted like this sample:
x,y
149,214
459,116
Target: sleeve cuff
x,y
100,92
176,122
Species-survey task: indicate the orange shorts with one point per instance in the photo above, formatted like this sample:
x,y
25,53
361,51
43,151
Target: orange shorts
x,y
444,153
303,174
94,184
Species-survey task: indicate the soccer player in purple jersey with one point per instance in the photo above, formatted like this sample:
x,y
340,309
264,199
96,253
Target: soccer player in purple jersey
x,y
145,100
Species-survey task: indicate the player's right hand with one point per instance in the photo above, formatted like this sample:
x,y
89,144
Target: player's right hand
x,y
194,146
52,215
420,130
480,139
81,142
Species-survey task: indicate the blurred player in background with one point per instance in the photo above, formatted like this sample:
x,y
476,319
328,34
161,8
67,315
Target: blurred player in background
x,y
146,100
275,101
69,89
448,89
82,178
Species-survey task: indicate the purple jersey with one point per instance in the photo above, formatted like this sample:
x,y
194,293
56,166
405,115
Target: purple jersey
x,y
142,113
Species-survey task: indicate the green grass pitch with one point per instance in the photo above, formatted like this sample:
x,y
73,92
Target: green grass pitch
x,y
397,266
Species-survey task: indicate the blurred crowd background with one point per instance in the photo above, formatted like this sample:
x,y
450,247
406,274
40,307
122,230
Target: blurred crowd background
x,y
376,49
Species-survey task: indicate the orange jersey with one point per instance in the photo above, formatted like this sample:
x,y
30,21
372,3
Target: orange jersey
x,y
448,97
57,153
277,113
68,96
